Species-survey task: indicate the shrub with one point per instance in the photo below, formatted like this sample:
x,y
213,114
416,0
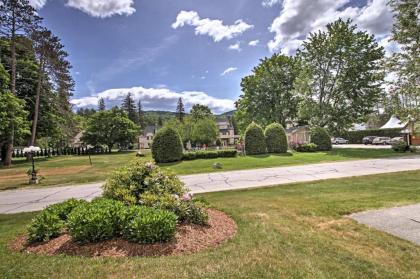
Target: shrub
x,y
400,146
254,140
321,138
44,226
95,221
275,138
51,221
148,225
167,146
129,182
187,210
304,147
192,155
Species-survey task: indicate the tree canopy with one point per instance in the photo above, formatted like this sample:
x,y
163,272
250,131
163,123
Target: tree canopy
x,y
341,77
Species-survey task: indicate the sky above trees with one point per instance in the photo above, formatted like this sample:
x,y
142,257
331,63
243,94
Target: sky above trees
x,y
199,50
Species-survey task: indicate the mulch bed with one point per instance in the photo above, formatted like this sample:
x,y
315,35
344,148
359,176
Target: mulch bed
x,y
189,239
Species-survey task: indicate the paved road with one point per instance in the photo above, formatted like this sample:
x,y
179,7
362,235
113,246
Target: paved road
x,y
13,201
363,146
403,221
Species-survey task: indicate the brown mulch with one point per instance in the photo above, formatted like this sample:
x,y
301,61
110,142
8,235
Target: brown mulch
x,y
189,239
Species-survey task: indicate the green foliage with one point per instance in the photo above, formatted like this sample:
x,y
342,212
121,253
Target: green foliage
x,y
110,127
44,226
321,138
356,137
13,117
254,140
341,76
187,210
400,146
148,225
203,154
268,93
200,112
96,221
167,146
130,182
63,209
276,138
129,106
304,147
204,131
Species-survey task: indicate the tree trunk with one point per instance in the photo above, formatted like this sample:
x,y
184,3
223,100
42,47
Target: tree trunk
x,y
13,53
7,160
110,147
36,109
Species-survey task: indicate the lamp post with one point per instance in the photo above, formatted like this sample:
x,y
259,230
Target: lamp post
x,y
32,150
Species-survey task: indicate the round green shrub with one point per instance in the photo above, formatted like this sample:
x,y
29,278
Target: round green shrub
x,y
275,138
167,146
63,209
321,138
254,140
130,182
400,146
96,221
148,225
44,226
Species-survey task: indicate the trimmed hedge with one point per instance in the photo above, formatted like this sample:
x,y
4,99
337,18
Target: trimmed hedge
x,y
254,140
275,138
304,147
192,155
167,146
321,138
400,146
356,137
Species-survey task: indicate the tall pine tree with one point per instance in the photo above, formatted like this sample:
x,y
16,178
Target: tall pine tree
x,y
130,108
101,104
141,115
180,111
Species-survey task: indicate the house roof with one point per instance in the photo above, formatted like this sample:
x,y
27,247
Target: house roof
x,y
394,123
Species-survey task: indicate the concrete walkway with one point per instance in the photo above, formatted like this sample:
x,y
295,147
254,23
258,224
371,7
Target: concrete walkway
x,y
14,201
403,221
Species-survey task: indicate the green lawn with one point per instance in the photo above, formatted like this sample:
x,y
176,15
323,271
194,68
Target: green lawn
x,y
289,231
76,169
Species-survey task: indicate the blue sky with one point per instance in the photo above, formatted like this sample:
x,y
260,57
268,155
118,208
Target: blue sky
x,y
199,50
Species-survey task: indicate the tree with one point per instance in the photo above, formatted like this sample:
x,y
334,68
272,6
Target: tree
x,y
341,77
101,104
52,68
13,118
160,121
183,128
167,146
16,17
130,108
141,115
204,131
110,127
405,65
180,111
275,138
200,111
268,93
254,140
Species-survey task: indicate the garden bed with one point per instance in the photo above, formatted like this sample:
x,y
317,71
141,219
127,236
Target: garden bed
x,y
189,239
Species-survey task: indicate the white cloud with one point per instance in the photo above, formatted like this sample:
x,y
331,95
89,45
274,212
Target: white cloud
x,y
228,70
37,4
270,3
211,27
236,46
157,98
254,43
300,17
103,8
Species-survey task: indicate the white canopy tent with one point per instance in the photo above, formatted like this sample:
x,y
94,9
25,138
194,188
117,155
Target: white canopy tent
x,y
394,123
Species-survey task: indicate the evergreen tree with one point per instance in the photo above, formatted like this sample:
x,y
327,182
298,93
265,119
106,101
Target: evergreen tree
x,y
101,104
160,121
141,115
180,111
130,108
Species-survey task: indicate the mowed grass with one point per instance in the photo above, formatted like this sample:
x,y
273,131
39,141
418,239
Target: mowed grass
x,y
288,231
77,169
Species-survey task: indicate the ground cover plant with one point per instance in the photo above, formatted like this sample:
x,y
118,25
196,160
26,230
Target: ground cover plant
x,y
289,231
77,169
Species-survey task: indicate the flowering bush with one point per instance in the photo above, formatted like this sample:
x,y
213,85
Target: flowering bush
x,y
303,147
